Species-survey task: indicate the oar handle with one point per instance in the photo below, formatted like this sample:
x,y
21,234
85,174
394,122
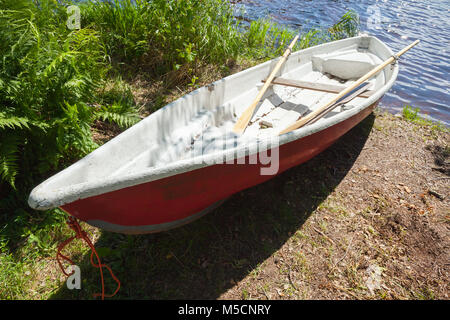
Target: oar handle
x,y
401,52
244,119
312,115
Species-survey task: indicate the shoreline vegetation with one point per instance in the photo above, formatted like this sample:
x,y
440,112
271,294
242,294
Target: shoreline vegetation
x,y
65,92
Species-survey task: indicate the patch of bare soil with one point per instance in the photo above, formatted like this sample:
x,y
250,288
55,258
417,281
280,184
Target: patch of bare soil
x,y
103,131
382,233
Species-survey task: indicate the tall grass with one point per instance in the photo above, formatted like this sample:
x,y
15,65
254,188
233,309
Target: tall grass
x,y
266,39
167,33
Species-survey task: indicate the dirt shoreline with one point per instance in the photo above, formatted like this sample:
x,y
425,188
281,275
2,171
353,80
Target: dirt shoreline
x,y
382,233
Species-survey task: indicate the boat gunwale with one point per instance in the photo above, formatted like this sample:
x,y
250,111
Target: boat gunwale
x,y
44,198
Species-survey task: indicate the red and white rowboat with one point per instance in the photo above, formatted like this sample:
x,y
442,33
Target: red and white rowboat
x,y
169,169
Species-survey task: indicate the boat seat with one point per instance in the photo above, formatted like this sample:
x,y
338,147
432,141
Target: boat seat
x,y
344,66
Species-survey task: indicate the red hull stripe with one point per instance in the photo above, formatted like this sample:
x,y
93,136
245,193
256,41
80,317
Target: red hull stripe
x,y
174,199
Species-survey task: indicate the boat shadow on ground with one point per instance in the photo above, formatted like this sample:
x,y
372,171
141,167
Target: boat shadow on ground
x,y
203,259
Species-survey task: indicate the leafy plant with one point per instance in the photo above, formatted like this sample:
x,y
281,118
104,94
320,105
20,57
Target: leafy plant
x,y
164,33
412,114
266,39
347,26
409,113
49,79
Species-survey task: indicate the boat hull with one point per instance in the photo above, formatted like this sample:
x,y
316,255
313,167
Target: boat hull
x,y
176,200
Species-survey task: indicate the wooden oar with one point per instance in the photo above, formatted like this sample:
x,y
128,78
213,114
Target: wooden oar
x,y
244,119
341,102
301,122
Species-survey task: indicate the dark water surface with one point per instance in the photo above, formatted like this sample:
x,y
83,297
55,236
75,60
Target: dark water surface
x,y
423,80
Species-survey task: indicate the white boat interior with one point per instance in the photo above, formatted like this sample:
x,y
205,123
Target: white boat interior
x,y
174,138
280,106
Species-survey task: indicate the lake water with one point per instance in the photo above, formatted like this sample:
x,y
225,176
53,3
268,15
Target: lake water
x,y
423,80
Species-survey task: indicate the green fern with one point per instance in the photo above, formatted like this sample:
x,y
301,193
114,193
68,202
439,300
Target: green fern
x,y
9,157
48,75
118,105
123,116
13,122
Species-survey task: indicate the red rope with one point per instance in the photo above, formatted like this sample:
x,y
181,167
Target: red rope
x,y
81,234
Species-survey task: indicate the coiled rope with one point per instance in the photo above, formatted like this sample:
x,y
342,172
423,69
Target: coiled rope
x,y
81,234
